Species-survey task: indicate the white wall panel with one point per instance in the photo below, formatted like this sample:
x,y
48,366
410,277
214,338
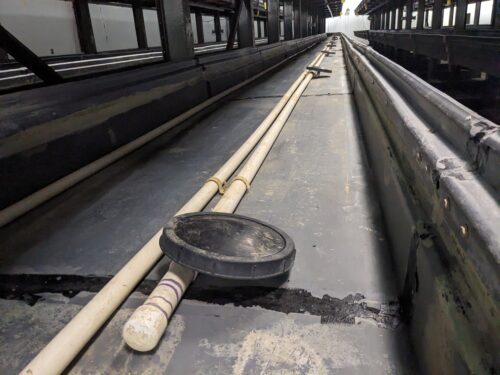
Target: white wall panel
x,y
47,27
152,28
113,27
348,22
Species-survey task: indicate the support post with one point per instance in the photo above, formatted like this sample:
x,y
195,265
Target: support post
x,y
309,20
393,15
303,19
477,12
10,44
199,27
409,14
296,19
273,21
461,15
84,26
496,14
399,25
233,24
176,32
246,36
437,14
140,27
420,14
316,21
4,58
288,19
218,33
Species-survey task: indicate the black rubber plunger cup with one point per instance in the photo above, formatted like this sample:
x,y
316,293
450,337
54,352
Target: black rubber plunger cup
x,y
228,245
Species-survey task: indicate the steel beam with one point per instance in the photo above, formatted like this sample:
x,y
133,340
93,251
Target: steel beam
x,y
84,26
288,19
3,56
399,25
233,25
175,29
461,15
315,21
496,14
273,21
451,16
393,15
437,14
477,12
246,36
409,14
218,33
10,44
296,19
199,27
303,19
420,14
140,27
478,53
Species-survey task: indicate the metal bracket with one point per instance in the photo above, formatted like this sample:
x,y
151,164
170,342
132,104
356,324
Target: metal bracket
x,y
328,53
317,70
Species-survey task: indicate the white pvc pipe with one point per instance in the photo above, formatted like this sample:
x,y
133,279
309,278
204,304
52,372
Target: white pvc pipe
x,y
65,346
21,207
146,326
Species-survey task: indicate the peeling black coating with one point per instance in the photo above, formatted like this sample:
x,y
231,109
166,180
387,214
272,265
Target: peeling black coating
x,y
28,288
299,301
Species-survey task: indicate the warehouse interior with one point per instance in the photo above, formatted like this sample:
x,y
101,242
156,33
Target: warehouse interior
x,y
250,187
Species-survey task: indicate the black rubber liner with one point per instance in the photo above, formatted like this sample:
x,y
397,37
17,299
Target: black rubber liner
x,y
228,246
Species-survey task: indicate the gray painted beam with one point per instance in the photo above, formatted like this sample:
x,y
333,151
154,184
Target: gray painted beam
x,y
273,21
84,26
303,19
233,25
246,36
409,12
175,29
477,13
140,27
218,33
199,28
28,58
296,19
288,19
437,14
496,14
393,15
399,25
420,14
461,15
3,56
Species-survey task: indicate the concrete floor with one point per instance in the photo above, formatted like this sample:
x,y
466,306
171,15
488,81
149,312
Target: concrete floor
x,y
315,185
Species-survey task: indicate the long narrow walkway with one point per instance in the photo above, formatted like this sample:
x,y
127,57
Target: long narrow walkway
x,y
336,313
